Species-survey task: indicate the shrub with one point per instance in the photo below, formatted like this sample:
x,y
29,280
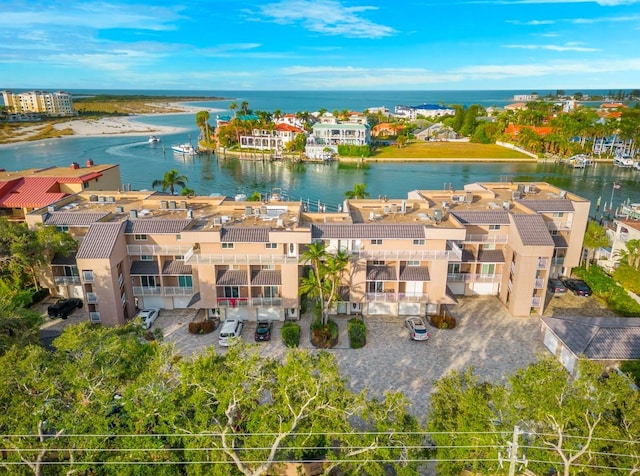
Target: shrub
x,y
194,327
632,368
609,291
207,327
628,277
443,321
357,333
291,334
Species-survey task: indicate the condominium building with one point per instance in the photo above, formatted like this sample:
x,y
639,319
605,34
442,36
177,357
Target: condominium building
x,y
408,256
58,103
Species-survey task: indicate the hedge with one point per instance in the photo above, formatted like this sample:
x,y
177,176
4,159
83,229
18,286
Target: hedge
x,y
291,334
357,333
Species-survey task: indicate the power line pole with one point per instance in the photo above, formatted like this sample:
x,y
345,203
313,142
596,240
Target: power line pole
x,y
513,451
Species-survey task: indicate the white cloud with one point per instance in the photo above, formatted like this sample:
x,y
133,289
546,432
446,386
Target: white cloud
x,y
531,22
561,48
328,17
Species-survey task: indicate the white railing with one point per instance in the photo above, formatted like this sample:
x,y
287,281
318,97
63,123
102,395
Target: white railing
x,y
538,283
543,263
557,226
237,258
513,267
177,290
413,297
64,280
147,290
408,255
474,277
386,297
558,260
120,280
233,302
255,302
87,276
157,249
485,238
536,301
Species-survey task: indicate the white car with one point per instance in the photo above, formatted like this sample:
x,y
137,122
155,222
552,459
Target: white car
x,y
148,316
417,328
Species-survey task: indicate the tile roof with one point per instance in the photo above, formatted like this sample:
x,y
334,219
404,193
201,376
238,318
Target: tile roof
x,y
72,218
176,267
414,273
367,231
532,230
31,192
553,205
144,267
151,226
231,277
61,260
266,277
468,256
244,235
381,273
559,241
598,338
491,256
100,240
492,217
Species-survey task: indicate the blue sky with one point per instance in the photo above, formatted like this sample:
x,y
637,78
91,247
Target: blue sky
x,y
321,44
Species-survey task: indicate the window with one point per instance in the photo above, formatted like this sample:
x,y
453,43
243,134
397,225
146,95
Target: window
x,y
553,232
178,237
227,246
148,281
139,237
146,258
494,227
453,268
70,271
377,262
413,263
558,214
231,291
268,266
418,242
488,269
185,281
489,246
376,242
87,275
271,246
179,257
62,227
270,291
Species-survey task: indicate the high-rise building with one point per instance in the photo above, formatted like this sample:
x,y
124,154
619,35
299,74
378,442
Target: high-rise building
x,y
58,103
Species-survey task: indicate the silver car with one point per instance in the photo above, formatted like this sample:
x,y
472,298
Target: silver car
x,y
417,328
148,316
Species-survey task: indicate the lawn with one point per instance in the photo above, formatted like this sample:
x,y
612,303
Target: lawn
x,y
447,150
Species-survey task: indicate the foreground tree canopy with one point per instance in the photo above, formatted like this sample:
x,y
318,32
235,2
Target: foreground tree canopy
x,y
109,402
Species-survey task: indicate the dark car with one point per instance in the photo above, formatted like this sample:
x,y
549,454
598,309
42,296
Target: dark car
x,y
263,331
578,287
63,307
556,286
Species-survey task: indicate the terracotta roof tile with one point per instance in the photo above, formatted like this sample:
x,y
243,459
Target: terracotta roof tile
x,y
414,273
491,256
381,273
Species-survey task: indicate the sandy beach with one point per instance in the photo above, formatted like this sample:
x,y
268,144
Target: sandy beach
x,y
119,125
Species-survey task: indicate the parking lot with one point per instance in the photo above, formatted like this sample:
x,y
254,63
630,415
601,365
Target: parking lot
x,y
486,338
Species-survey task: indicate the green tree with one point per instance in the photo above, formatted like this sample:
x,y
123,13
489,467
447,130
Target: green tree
x,y
171,180
594,238
202,120
359,192
630,254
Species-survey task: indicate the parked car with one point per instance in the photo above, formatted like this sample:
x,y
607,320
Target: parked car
x,y
231,329
555,285
578,287
417,328
148,316
263,331
63,307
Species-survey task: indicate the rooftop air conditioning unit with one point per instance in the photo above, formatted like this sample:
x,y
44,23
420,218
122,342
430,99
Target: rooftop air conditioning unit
x,y
172,205
445,204
217,221
516,195
164,204
133,213
93,198
51,208
119,209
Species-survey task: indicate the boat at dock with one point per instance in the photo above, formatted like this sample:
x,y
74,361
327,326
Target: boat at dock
x,y
579,161
185,149
153,139
624,161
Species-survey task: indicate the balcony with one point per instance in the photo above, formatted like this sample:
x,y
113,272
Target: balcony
x,y
147,290
197,258
266,302
384,297
558,260
485,238
474,277
87,276
156,250
66,280
543,263
413,297
558,226
177,290
538,283
455,253
92,298
94,316
536,301
232,302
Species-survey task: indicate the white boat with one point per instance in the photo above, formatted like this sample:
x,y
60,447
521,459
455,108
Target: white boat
x,y
186,149
579,161
636,166
153,139
623,161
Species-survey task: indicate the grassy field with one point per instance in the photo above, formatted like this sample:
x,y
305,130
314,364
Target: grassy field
x,y
106,104
447,150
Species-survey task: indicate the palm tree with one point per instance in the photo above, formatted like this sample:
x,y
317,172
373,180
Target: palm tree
x,y
630,254
170,180
594,238
233,106
314,255
202,120
359,192
244,108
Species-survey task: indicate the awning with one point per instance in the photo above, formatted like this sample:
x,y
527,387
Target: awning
x,y
145,267
381,273
266,277
414,273
232,277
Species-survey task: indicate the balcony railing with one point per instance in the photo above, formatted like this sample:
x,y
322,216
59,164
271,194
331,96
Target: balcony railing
x,y
474,277
232,302
557,226
558,260
543,263
413,297
147,290
385,297
513,266
485,238
177,290
87,276
120,280
94,316
66,280
266,302
455,253
193,257
92,298
536,301
156,250
538,283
